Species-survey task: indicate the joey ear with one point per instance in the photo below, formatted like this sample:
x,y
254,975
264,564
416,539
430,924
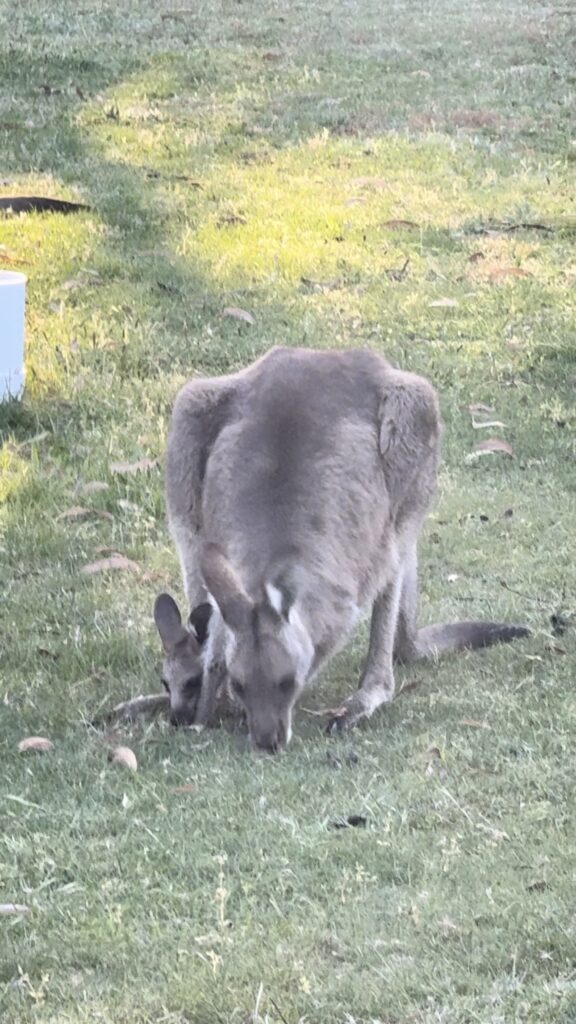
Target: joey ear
x,y
226,588
199,621
168,622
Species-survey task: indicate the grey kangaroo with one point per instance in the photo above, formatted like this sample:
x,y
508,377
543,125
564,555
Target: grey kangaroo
x,y
296,491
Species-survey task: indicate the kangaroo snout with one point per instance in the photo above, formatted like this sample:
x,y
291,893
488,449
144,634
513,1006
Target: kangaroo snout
x,y
183,716
270,741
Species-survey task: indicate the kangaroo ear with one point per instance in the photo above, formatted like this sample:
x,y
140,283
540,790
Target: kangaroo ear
x,y
226,588
278,599
168,622
199,621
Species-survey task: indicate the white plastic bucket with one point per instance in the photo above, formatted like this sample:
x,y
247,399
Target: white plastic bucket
x,y
12,302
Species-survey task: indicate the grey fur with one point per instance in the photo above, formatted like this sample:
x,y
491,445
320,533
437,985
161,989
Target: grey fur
x,y
296,491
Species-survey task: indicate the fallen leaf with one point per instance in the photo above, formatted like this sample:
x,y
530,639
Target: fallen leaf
x,y
352,821
7,909
188,787
238,314
478,425
399,224
476,257
443,304
47,654
93,486
473,723
493,444
39,743
420,73
230,219
112,563
129,468
480,407
124,757
155,576
499,273
496,833
76,512
452,577
555,649
538,886
447,925
408,687
398,273
368,182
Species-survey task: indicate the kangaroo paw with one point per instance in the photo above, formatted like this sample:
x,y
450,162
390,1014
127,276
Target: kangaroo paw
x,y
347,715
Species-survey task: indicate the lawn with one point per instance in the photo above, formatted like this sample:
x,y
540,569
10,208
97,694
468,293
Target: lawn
x,y
398,175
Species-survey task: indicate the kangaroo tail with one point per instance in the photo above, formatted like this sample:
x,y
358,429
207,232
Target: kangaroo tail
x,y
432,641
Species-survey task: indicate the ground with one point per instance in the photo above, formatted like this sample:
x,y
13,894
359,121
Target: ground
x,y
398,175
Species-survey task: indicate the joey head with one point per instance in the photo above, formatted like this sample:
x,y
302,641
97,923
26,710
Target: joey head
x,y
182,665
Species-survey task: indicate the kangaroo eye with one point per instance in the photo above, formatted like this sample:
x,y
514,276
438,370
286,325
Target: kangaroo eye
x,y
287,685
191,686
237,687
165,685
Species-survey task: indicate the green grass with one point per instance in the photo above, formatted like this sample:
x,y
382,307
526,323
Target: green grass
x,y
241,154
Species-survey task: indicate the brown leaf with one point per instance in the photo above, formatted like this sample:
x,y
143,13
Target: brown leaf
x,y
129,468
188,787
493,444
538,886
155,576
447,925
368,182
39,743
500,273
473,723
44,653
112,563
399,224
238,314
76,512
7,909
93,486
476,257
555,649
443,304
125,757
230,219
480,407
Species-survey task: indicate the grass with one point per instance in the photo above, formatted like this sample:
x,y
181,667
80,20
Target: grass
x,y
236,155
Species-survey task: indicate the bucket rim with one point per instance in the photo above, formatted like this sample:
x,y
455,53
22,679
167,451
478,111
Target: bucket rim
x,y
8,277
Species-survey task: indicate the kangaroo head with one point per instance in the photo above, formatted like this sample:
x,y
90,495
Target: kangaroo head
x,y
267,650
182,666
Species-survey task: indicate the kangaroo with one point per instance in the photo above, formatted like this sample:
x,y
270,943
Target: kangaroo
x,y
296,491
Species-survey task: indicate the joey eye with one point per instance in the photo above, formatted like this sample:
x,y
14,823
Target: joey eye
x,y
237,687
287,685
